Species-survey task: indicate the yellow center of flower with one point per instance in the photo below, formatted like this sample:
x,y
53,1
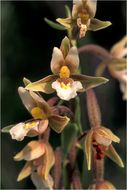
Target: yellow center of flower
x,y
65,86
64,72
37,113
30,125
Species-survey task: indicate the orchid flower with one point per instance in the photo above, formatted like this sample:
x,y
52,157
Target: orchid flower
x,y
65,81
40,159
82,18
42,114
100,140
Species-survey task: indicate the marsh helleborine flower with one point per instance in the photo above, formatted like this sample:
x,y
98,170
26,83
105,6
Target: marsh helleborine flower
x,y
42,117
102,185
82,18
100,140
119,70
40,159
64,64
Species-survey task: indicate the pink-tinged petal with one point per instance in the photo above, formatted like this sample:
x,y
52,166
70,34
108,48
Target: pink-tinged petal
x,y
113,155
26,171
58,123
48,160
26,98
88,148
52,101
72,60
41,103
103,132
57,60
43,85
31,151
96,24
89,81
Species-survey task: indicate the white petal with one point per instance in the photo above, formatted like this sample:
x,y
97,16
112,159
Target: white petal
x,y
18,132
68,93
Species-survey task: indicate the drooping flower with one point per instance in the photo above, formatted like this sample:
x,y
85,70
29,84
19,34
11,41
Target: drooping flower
x,y
40,159
100,140
64,64
42,114
82,18
117,65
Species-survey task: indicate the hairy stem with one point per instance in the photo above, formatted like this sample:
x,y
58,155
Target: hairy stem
x,y
95,49
76,183
57,168
94,113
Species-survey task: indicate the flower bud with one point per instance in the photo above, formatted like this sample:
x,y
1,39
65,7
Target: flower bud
x,y
101,186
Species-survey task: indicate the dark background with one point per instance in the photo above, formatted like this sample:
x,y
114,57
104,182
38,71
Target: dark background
x,y
27,43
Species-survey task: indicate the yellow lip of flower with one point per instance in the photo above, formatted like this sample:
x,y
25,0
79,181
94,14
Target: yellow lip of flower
x,y
37,113
65,86
30,125
64,72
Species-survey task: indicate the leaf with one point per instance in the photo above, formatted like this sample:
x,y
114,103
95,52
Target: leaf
x,y
88,148
58,123
96,24
113,155
89,81
67,138
40,183
7,128
54,25
31,151
25,172
43,85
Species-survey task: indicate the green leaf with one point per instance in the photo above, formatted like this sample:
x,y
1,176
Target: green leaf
x,y
96,24
67,138
54,25
113,155
6,129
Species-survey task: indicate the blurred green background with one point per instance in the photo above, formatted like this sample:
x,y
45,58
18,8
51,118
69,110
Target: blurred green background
x,y
27,43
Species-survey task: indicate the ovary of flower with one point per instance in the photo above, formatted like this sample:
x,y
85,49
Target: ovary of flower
x,y
18,132
67,91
